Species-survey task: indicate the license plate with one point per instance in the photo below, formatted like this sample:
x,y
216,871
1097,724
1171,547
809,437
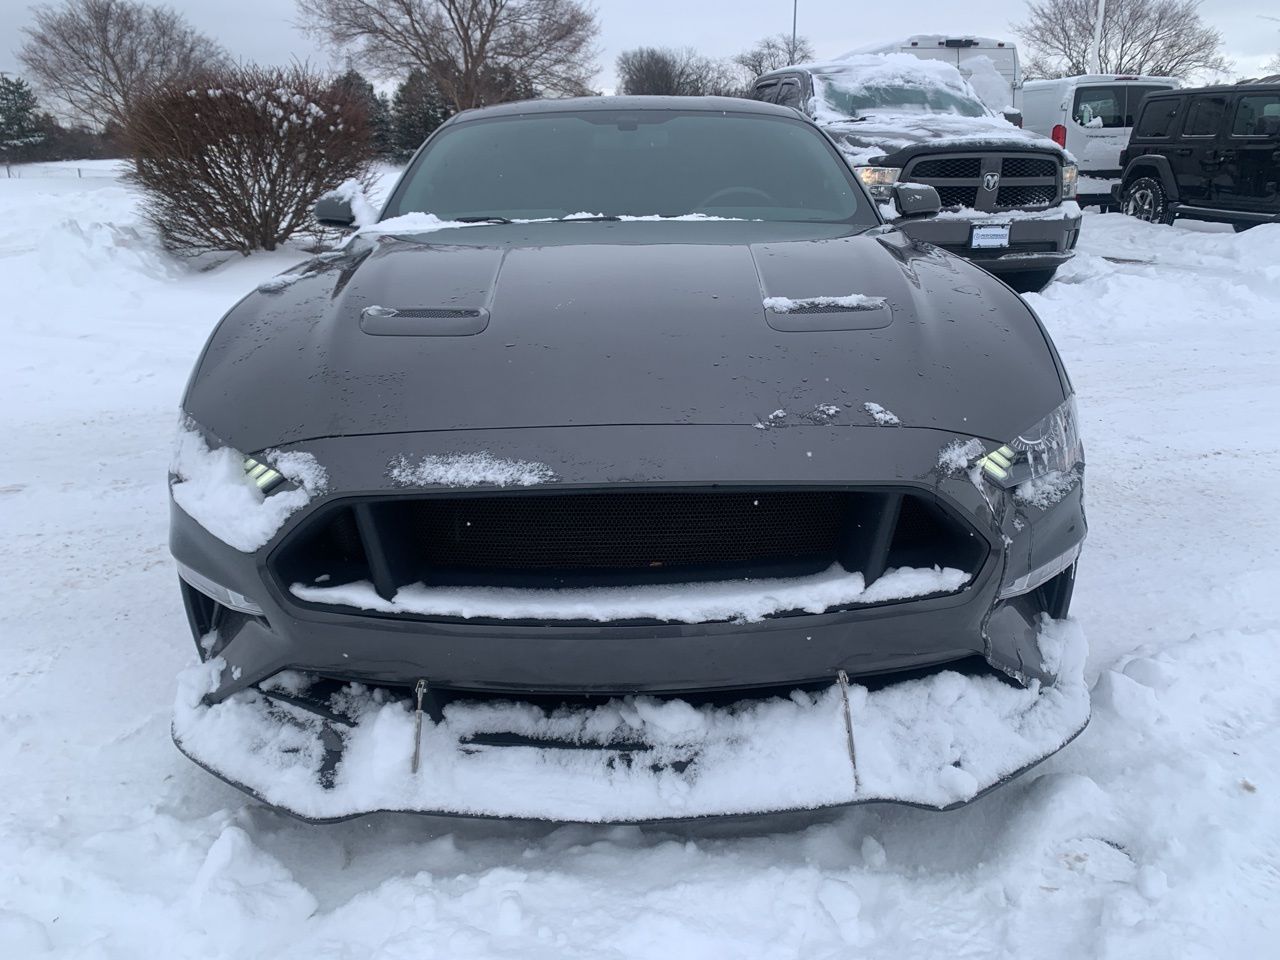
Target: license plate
x,y
989,235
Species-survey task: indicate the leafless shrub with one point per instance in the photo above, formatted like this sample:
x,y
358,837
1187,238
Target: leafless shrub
x,y
1164,38
235,160
99,56
662,71
476,51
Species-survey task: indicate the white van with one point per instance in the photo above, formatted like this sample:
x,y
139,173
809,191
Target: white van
x,y
991,66
1091,116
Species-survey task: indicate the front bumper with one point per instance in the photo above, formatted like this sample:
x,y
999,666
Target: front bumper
x,y
1036,242
936,742
280,752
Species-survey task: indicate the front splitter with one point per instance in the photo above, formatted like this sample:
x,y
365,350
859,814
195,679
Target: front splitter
x,y
935,742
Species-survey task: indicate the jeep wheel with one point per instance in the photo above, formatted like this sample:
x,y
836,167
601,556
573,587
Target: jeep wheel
x,y
1145,199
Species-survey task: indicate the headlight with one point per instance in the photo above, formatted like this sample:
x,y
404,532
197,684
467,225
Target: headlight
x,y
1070,180
266,478
1051,446
878,180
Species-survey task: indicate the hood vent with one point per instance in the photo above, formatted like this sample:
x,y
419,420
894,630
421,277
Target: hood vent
x,y
422,321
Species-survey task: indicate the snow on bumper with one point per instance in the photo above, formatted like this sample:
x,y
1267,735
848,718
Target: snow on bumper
x,y
938,742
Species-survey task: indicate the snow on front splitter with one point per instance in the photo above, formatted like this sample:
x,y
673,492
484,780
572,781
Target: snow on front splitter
x,y
938,741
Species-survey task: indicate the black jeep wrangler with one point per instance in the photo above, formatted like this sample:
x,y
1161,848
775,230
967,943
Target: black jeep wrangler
x,y
1206,154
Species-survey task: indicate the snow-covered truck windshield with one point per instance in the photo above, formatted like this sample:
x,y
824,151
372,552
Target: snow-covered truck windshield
x,y
632,163
843,94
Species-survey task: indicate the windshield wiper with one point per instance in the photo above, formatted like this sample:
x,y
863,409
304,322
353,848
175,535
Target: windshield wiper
x,y
482,220
593,219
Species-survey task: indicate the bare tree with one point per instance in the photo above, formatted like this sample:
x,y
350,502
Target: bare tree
x,y
1166,38
99,56
235,160
476,51
774,52
662,71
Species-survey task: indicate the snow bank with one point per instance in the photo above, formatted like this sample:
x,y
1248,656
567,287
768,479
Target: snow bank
x,y
741,600
934,741
212,487
851,301
468,470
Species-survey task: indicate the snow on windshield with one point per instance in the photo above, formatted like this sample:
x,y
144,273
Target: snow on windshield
x,y
892,83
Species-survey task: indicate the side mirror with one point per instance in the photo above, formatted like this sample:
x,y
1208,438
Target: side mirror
x,y
332,211
916,200
1013,115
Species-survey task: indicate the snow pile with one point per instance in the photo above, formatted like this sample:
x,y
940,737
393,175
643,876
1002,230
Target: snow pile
x,y
933,741
1063,211
886,418
740,600
468,470
850,301
353,192
214,490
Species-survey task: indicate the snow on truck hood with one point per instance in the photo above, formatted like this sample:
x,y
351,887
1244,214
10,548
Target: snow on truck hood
x,y
880,133
617,324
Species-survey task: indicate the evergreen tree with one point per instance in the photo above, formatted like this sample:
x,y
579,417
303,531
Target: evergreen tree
x,y
19,124
377,107
416,110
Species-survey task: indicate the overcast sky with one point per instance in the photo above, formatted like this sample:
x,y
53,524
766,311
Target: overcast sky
x,y
264,30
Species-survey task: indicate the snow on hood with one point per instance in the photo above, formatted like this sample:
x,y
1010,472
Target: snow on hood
x,y
935,741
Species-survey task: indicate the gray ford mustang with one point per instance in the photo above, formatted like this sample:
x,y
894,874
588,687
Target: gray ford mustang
x,y
629,467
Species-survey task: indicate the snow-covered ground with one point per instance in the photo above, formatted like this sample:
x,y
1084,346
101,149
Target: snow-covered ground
x,y
1155,834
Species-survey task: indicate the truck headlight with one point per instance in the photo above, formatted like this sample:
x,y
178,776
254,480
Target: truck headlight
x,y
1070,180
879,181
1050,446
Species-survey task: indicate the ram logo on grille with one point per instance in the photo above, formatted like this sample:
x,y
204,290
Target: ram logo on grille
x,y
990,180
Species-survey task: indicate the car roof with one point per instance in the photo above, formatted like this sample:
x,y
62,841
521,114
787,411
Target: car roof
x,y
1266,87
675,104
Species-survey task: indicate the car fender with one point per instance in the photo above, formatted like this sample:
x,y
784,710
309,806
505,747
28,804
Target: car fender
x,y
1151,165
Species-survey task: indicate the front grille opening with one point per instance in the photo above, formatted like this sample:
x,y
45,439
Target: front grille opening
x,y
949,168
1029,196
621,538
336,547
957,196
1029,167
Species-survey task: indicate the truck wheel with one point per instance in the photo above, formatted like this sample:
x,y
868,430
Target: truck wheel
x,y
1145,199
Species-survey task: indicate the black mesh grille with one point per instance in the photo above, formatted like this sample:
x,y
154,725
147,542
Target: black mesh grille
x,y
958,196
619,538
1029,167
948,167
648,529
1031,196
435,313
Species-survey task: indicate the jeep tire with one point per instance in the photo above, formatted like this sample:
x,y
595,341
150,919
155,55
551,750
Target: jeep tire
x,y
1144,198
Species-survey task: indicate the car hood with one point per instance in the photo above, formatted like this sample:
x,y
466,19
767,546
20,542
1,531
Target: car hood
x,y
897,135
623,323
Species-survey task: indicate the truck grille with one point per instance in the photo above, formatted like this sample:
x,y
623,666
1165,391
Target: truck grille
x,y
1025,180
1026,196
620,538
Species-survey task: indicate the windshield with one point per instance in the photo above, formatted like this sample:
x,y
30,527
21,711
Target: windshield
x,y
634,163
842,93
